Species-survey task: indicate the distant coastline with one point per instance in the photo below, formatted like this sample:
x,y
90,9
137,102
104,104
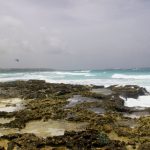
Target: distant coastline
x,y
25,69
51,69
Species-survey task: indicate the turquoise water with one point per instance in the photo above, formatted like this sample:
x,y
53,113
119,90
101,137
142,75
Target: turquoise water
x,y
139,77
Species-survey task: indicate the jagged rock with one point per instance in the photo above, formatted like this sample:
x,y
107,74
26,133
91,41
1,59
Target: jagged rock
x,y
144,146
83,139
48,101
37,89
28,141
116,145
129,91
11,136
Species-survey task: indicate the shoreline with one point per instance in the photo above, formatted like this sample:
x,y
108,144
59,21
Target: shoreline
x,y
93,111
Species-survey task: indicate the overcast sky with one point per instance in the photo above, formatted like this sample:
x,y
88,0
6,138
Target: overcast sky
x,y
75,34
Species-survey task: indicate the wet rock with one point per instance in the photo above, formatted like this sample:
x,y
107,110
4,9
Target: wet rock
x,y
11,146
129,91
115,104
49,101
98,86
36,81
83,139
102,91
37,89
143,127
144,146
137,114
78,99
28,141
98,110
94,95
4,114
117,145
63,92
124,131
72,117
11,136
2,148
17,123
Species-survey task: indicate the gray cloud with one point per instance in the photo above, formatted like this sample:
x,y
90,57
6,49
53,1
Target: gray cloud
x,y
81,34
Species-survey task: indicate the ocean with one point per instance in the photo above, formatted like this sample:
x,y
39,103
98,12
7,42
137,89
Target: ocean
x,y
140,77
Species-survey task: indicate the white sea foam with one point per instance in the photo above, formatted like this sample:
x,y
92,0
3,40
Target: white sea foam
x,y
142,101
123,98
106,82
84,77
123,76
83,71
74,73
60,79
69,73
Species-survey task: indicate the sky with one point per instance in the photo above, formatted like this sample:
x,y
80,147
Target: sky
x,y
74,34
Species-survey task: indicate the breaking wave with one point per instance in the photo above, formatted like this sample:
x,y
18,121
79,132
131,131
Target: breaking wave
x,y
75,73
137,77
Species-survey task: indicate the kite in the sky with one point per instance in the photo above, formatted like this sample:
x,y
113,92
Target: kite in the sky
x,y
17,60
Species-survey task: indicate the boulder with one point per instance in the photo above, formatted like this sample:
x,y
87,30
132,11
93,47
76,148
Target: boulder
x,y
129,91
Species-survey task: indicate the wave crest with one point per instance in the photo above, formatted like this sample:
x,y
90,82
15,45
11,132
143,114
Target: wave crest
x,y
123,76
79,73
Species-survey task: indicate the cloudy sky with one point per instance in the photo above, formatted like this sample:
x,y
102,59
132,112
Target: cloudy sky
x,y
75,34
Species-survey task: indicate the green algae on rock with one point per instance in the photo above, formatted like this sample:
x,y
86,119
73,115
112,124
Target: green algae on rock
x,y
43,102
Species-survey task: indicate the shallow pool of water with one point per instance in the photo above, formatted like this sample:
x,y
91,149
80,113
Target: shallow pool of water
x,y
6,120
48,128
98,110
77,99
102,91
11,104
137,114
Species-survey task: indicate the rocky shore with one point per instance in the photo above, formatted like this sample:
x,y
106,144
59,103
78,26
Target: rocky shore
x,y
35,115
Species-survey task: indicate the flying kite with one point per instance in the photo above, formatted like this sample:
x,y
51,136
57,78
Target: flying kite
x,y
17,60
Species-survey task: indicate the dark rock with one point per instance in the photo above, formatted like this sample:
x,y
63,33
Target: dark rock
x,y
129,91
83,139
115,104
11,146
2,148
28,141
37,89
4,114
144,146
98,86
72,117
62,92
11,136
116,145
48,101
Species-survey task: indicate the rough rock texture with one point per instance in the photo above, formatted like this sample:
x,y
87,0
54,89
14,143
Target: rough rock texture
x,y
83,139
42,101
87,140
129,91
36,89
144,146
